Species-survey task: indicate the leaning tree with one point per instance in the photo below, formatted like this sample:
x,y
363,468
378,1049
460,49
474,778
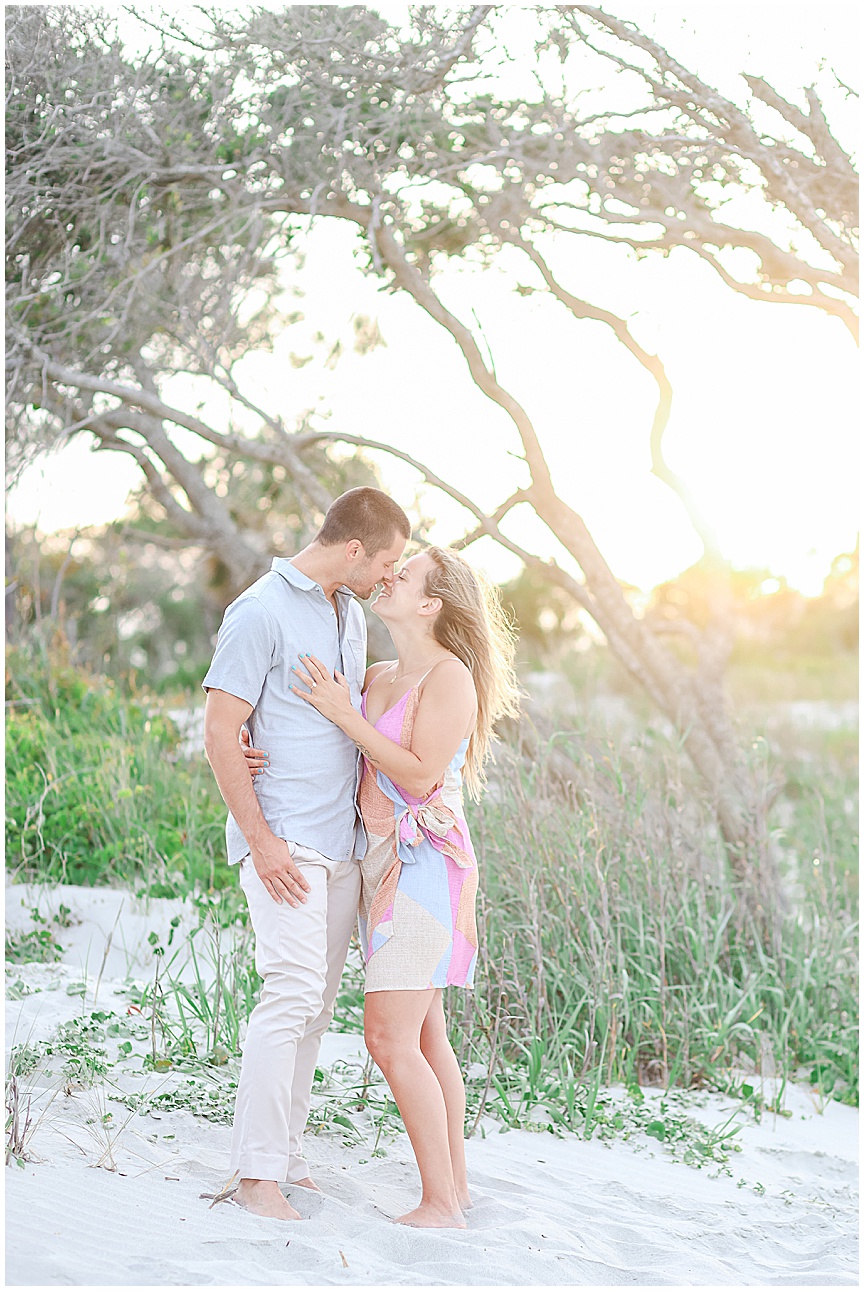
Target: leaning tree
x,y
156,202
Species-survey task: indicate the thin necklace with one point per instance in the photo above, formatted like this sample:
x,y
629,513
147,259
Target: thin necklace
x,y
396,678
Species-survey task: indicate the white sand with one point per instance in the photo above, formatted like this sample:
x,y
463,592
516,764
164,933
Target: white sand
x,y
549,1211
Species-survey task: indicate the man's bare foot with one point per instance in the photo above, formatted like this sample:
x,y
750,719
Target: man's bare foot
x,y
305,1183
426,1216
264,1197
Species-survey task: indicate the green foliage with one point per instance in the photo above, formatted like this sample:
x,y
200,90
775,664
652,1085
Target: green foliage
x,y
613,941
78,1045
97,791
348,1010
212,1100
38,944
547,618
198,1022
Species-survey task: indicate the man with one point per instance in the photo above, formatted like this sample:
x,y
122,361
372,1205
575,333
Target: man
x,y
295,833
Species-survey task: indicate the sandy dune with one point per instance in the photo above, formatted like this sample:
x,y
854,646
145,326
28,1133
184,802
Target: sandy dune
x,y
549,1211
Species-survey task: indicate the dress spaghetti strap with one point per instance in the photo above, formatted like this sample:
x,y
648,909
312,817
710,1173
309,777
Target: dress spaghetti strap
x,y
419,683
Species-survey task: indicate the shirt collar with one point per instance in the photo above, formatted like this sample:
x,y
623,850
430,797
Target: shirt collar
x,y
282,565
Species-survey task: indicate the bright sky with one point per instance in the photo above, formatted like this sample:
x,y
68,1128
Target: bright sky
x,y
762,426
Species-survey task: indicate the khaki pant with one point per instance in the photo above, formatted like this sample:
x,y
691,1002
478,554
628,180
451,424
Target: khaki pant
x,y
300,953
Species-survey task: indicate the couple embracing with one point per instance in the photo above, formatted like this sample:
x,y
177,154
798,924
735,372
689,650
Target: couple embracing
x,y
345,801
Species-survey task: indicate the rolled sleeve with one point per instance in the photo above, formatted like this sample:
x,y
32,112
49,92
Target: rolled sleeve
x,y
245,651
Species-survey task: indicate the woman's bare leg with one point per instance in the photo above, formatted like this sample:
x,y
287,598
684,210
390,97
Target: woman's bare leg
x,y
394,1020
438,1052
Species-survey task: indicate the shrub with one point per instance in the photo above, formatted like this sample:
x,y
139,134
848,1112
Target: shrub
x,y
96,791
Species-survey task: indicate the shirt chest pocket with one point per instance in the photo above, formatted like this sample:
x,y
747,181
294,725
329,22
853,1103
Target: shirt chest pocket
x,y
354,658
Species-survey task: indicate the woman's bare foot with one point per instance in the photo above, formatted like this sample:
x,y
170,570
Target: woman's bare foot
x,y
264,1197
305,1183
465,1202
426,1216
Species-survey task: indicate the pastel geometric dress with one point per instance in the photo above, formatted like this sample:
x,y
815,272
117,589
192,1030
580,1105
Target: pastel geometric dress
x,y
417,907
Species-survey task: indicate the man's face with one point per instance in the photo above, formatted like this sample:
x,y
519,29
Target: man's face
x,y
372,570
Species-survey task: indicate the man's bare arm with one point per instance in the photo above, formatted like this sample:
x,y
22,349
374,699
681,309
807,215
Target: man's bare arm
x,y
224,715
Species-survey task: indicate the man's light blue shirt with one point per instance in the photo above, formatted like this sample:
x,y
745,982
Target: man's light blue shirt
x,y
308,792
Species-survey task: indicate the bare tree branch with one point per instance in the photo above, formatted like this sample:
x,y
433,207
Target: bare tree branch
x,y
652,364
283,452
521,495
461,48
673,84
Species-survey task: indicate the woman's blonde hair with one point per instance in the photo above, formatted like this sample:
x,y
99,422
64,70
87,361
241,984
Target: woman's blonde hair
x,y
473,626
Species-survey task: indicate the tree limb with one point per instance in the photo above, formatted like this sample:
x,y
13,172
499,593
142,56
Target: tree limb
x,y
283,452
698,95
653,365
521,495
410,279
460,49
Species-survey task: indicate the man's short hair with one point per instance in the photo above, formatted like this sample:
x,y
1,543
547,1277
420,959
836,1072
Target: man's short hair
x,y
366,514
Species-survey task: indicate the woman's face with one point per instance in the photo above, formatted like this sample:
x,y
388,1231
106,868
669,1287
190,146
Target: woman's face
x,y
406,595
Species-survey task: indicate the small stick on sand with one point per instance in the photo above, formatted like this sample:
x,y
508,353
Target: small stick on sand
x,y
226,1193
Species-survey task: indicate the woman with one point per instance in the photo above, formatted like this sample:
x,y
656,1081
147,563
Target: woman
x,y
425,725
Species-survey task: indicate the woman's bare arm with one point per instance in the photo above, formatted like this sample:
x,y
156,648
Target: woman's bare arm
x,y
445,715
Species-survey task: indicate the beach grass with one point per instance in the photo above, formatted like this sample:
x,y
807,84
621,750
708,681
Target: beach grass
x,y
615,947
97,792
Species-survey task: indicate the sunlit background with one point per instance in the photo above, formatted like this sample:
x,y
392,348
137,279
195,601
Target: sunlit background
x,y
763,426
